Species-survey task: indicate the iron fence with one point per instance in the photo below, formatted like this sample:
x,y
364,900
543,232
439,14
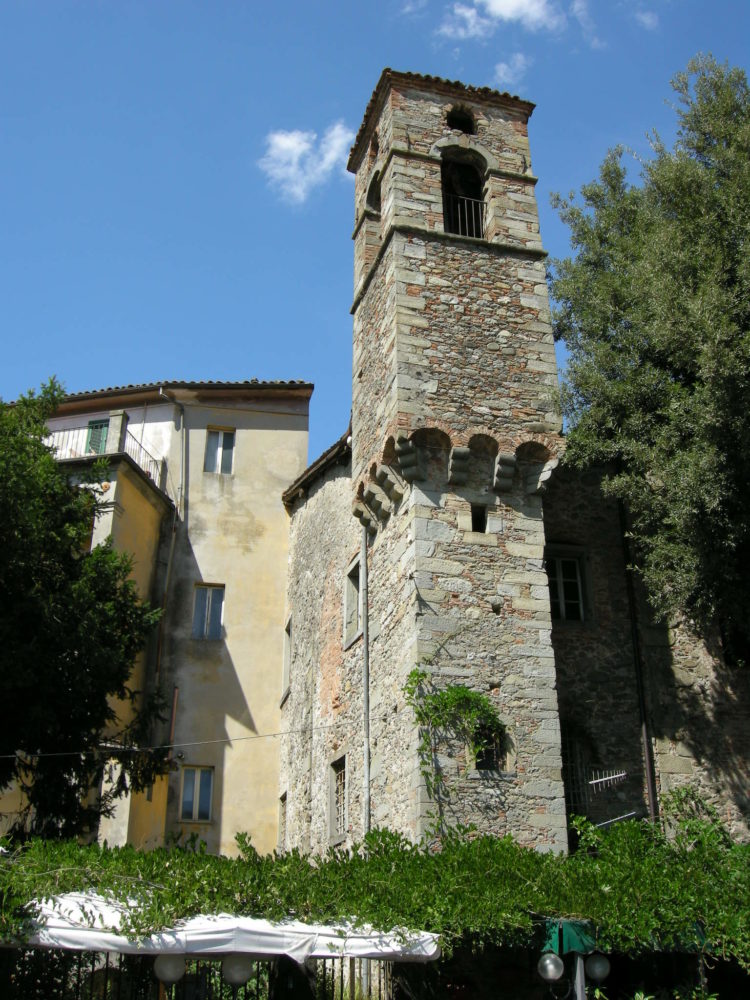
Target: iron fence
x,y
52,974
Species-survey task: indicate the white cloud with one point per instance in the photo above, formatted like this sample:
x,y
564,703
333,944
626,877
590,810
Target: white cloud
x,y
510,73
413,6
580,11
647,19
295,162
466,22
531,14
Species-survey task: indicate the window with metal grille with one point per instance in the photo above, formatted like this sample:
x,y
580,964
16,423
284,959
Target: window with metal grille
x,y
463,199
338,798
219,451
197,787
489,755
96,437
565,588
208,612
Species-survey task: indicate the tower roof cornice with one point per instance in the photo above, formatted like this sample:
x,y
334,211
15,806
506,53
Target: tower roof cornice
x,y
390,77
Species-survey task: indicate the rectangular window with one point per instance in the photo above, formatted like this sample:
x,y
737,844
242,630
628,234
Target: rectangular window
x,y
490,755
478,517
287,667
197,788
338,799
565,588
352,603
208,612
96,437
282,822
219,452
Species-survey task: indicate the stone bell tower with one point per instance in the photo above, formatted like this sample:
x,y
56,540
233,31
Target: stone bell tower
x,y
454,432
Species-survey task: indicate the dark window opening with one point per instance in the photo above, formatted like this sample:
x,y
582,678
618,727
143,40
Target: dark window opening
x,y
490,755
461,120
463,202
373,194
478,517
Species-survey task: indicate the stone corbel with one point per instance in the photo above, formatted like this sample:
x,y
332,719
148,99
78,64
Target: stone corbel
x,y
505,467
388,481
458,469
407,454
365,516
377,501
535,480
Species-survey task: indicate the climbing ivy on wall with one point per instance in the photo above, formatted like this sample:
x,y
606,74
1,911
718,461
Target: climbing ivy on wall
x,y
457,713
644,888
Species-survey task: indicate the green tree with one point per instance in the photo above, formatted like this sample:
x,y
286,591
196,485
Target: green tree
x,y
71,625
654,309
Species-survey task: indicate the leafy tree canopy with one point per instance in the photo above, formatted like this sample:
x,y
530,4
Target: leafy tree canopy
x,y
654,309
71,625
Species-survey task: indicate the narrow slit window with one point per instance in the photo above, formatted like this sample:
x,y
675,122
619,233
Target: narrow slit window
x,y
287,666
478,517
282,822
352,603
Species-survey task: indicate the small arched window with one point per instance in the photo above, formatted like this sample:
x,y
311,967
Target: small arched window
x,y
373,194
463,202
462,120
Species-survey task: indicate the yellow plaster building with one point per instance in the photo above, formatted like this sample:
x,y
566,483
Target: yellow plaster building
x,y
193,493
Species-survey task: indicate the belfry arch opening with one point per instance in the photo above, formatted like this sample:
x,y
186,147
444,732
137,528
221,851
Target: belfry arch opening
x,y
463,196
373,194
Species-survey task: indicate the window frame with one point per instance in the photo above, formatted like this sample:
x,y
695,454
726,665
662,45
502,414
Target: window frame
x,y
338,800
492,751
219,453
198,770
204,634
353,592
558,554
94,429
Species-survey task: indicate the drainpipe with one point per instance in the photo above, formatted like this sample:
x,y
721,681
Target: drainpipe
x,y
365,680
653,807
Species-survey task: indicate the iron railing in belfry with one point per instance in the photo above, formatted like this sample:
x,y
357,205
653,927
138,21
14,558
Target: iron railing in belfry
x,y
463,216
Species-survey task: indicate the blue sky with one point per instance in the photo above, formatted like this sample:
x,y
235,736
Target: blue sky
x,y
173,200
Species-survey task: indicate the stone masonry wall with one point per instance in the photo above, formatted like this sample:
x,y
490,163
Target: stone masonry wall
x,y
325,678
596,679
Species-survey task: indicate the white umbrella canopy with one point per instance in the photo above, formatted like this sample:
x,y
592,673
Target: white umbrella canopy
x,y
85,921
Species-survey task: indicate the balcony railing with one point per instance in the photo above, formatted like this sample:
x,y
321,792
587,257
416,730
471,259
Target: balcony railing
x,y
463,216
78,442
